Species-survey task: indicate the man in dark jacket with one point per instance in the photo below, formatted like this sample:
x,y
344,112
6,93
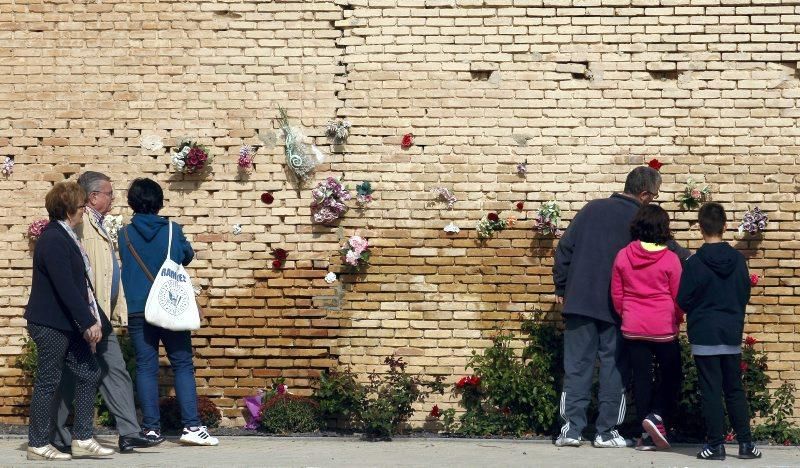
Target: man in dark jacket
x,y
582,276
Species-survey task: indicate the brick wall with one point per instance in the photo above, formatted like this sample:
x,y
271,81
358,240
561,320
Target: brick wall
x,y
582,91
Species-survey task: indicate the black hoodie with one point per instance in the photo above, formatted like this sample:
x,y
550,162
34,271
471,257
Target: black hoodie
x,y
714,291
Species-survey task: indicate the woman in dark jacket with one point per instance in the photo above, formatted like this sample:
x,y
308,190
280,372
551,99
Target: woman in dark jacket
x,y
65,323
147,237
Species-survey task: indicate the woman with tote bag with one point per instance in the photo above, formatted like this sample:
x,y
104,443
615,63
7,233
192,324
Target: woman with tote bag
x,y
146,244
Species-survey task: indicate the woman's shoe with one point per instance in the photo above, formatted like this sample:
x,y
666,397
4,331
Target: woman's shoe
x,y
90,448
712,452
47,452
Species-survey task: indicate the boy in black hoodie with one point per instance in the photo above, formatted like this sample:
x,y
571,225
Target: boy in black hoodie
x,y
714,291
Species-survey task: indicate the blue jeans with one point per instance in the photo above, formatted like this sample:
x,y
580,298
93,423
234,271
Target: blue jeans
x,y
145,338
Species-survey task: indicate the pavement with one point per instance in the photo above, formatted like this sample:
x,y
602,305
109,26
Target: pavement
x,y
351,452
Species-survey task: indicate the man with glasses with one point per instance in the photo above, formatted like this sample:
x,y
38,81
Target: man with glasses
x,y
582,277
115,384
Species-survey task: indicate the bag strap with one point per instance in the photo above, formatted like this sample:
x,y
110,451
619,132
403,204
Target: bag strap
x,y
138,258
169,243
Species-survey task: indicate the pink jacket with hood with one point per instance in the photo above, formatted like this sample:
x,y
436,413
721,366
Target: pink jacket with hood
x,y
644,285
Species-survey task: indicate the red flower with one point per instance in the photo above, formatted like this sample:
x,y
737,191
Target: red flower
x,y
493,217
520,205
754,280
276,264
408,140
435,413
267,198
743,365
280,254
729,436
474,380
462,382
750,341
506,410
655,164
787,442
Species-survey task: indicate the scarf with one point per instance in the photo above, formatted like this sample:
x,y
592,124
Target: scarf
x,y
87,268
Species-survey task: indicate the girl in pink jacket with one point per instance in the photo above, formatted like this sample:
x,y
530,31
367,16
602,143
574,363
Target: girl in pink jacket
x,y
644,285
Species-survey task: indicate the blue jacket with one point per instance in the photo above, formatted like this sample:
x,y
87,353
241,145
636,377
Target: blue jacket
x,y
148,234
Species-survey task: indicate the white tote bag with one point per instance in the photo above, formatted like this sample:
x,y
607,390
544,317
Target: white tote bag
x,y
171,303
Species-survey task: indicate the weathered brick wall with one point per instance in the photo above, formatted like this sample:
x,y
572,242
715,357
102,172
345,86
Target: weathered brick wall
x,y
582,91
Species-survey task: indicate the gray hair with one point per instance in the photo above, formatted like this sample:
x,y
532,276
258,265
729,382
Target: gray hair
x,y
90,181
642,179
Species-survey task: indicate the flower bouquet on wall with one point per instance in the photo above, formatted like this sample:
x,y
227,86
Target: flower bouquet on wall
x,y
356,254
492,223
246,156
301,158
754,222
329,197
191,158
693,195
547,219
36,228
364,193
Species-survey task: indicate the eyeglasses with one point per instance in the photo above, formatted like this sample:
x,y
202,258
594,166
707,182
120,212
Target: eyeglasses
x,y
654,195
108,194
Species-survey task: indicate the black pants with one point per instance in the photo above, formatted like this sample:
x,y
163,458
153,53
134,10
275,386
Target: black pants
x,y
717,375
55,348
655,393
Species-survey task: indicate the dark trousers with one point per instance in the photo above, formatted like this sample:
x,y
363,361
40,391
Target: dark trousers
x,y
655,393
55,348
586,341
717,375
146,339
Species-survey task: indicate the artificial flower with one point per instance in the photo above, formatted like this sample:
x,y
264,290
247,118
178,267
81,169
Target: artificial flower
x,y
522,169
730,436
547,218
36,228
693,194
282,389
112,224
435,412
151,142
445,194
330,278
750,341
743,366
237,229
356,253
8,167
246,157
351,257
267,198
452,228
754,280
493,217
655,164
407,141
276,264
358,243
191,158
329,197
364,193
520,206
338,131
754,221
298,158
280,254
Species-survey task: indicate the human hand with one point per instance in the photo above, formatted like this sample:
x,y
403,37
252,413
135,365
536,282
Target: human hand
x,y
93,334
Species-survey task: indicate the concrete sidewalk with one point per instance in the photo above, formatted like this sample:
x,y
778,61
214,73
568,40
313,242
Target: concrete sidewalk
x,y
351,452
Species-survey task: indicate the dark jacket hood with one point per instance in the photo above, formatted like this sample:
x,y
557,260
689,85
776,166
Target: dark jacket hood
x,y
720,257
148,225
641,258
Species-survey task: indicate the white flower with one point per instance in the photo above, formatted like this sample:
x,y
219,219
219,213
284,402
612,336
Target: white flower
x,y
237,229
352,257
151,142
452,228
112,224
330,277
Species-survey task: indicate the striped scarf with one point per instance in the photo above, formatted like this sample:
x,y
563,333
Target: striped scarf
x,y
87,268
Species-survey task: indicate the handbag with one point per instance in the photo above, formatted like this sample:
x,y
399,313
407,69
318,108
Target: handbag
x,y
171,302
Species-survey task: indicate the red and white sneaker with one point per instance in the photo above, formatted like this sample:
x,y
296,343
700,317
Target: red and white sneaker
x,y
654,426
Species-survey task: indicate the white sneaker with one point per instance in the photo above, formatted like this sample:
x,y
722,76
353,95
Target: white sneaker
x,y
90,448
612,440
198,437
567,442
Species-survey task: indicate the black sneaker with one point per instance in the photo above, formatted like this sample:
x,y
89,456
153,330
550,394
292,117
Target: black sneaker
x,y
749,450
712,452
153,436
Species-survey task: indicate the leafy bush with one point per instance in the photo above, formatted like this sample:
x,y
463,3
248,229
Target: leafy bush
x,y
210,415
389,399
341,398
28,360
286,413
509,394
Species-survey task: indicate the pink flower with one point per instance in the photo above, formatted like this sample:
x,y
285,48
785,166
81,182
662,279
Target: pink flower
x,y
696,194
754,280
729,436
743,365
359,244
282,389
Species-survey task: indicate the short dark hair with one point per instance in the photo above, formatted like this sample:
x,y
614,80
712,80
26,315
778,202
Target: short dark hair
x,y
642,179
651,224
145,196
712,219
64,200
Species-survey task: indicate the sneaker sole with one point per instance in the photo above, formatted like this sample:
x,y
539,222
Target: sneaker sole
x,y
658,438
36,457
196,444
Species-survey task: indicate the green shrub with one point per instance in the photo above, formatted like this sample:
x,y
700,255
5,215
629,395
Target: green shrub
x,y
389,399
28,360
210,415
511,394
287,414
341,399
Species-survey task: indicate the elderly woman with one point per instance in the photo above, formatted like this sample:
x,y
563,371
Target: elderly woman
x,y
143,248
65,323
